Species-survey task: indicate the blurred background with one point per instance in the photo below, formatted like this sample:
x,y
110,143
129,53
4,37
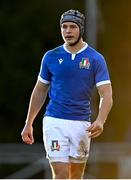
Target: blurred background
x,y
27,30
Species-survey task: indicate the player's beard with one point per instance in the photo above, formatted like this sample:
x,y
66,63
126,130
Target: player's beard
x,y
74,43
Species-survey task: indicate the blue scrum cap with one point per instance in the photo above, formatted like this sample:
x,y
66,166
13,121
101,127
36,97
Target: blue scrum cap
x,y
74,16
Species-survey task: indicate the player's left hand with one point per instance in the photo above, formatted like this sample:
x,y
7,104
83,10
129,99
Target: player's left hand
x,y
95,129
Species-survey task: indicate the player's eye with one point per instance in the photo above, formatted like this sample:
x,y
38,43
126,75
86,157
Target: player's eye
x,y
73,26
64,26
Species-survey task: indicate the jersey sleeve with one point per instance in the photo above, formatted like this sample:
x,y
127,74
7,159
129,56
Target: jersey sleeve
x,y
101,72
44,74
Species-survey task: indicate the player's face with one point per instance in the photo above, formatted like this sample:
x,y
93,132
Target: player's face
x,y
70,32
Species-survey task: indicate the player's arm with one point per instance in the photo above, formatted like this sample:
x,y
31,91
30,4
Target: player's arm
x,y
105,92
36,102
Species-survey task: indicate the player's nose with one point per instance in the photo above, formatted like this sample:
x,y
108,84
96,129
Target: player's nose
x,y
68,30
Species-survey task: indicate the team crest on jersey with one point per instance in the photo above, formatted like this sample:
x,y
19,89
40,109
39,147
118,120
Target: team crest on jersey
x,y
55,145
85,63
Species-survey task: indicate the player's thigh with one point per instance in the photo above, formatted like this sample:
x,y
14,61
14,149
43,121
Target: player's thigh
x,y
55,139
60,170
76,170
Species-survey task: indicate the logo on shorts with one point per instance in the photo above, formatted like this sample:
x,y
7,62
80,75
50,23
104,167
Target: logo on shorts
x,y
55,146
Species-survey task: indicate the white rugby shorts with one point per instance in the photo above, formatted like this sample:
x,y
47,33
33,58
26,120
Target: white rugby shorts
x,y
66,140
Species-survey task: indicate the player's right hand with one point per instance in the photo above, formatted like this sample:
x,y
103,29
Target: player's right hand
x,y
27,134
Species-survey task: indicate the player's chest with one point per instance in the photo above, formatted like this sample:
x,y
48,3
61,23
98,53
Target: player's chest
x,y
68,66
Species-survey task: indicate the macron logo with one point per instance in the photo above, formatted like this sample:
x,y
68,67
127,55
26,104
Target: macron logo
x,y
61,60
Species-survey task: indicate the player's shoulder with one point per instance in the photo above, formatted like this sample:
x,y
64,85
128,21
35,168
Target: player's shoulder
x,y
54,51
51,54
95,54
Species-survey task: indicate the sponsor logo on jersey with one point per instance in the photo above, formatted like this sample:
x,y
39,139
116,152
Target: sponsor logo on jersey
x,y
85,63
55,145
61,60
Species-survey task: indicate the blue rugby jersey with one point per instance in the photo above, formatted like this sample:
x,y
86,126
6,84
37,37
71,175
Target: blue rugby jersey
x,y
72,78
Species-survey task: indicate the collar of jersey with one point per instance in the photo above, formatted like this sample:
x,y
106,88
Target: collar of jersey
x,y
82,49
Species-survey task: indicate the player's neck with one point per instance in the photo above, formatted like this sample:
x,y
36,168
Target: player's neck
x,y
77,47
